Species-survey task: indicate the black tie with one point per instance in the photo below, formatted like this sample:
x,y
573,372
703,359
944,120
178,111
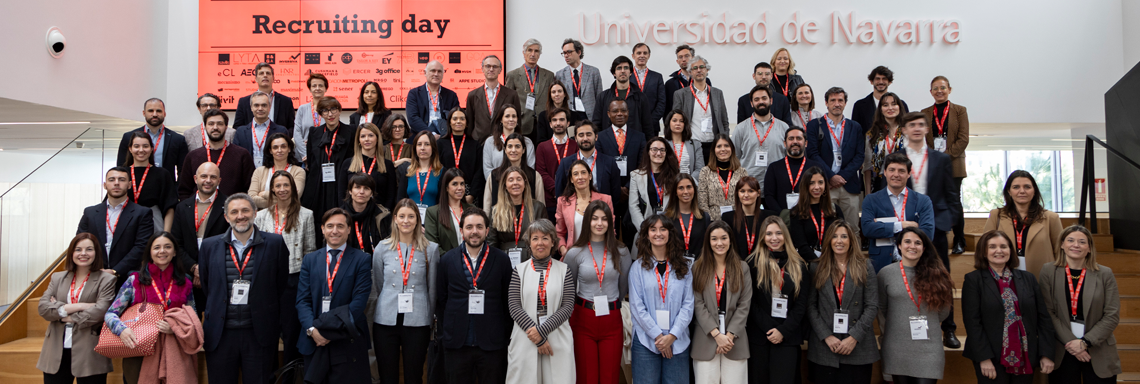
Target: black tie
x,y
334,253
577,82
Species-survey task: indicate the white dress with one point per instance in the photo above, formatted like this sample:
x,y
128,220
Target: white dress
x,y
524,364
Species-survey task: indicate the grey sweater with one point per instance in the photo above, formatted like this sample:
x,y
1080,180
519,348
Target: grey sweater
x,y
615,286
901,355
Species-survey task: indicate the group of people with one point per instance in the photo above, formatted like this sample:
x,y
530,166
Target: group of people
x,y
772,211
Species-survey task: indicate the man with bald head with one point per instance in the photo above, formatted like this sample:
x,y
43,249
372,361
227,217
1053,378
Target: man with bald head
x,y
199,217
427,105
234,163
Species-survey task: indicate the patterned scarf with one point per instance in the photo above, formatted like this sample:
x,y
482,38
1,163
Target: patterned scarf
x,y
1014,346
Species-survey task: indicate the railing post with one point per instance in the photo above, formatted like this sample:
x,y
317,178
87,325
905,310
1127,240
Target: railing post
x,y
1085,180
1091,181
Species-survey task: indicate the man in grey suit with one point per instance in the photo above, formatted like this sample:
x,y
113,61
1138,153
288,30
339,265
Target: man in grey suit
x,y
703,105
532,84
583,80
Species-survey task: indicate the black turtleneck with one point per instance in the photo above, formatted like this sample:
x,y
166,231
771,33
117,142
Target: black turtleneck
x,y
723,168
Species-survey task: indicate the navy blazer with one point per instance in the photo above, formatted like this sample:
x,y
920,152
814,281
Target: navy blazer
x,y
819,149
781,108
173,144
653,99
283,112
269,274
939,187
607,181
633,101
864,111
634,147
492,328
243,137
418,108
186,236
878,204
352,285
132,232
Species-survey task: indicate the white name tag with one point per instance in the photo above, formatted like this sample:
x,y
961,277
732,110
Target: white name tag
x,y
1077,328
886,241
720,320
621,163
579,105
475,302
940,144
601,305
792,199
663,319
516,255
725,209
1021,264
918,329
530,101
839,323
239,293
435,115
761,159
326,302
542,319
780,307
706,124
328,173
404,302
67,332
423,210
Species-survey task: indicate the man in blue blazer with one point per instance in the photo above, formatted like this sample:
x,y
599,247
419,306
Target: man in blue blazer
x,y
348,271
838,143
131,225
281,110
253,136
427,104
607,178
471,305
651,85
891,209
244,272
170,147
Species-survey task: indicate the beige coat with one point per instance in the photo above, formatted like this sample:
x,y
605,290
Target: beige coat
x,y
1101,304
260,193
100,289
1040,244
710,190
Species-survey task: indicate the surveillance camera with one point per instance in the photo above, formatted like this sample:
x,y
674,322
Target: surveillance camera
x,y
55,42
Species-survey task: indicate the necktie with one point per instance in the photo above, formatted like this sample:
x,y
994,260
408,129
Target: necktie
x,y
335,253
577,80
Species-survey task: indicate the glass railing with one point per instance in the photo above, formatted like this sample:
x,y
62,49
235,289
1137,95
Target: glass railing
x,y
40,211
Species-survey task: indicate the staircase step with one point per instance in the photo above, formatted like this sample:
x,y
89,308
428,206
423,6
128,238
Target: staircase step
x,y
37,327
1128,331
1129,356
1120,262
1128,377
1103,242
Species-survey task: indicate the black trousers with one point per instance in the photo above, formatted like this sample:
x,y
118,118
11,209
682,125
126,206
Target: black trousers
x,y
63,375
956,208
471,364
393,342
707,150
290,323
238,351
943,248
1002,376
773,364
913,380
845,374
1073,371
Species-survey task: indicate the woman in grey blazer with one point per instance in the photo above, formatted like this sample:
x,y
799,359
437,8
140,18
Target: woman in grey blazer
x,y
841,310
686,151
74,304
651,183
722,296
402,272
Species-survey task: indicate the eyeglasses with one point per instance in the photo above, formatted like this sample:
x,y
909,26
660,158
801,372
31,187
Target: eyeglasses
x,y
327,111
567,53
210,106
700,67
656,150
492,66
940,88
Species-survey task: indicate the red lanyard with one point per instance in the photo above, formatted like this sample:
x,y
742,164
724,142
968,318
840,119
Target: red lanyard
x,y
205,143
619,136
328,149
158,141
1016,233
577,87
241,268
475,274
434,100
686,229
660,191
459,215
117,217
406,262
528,79
137,188
942,123
1074,295
565,148
225,144
781,280
838,139
545,280
679,153
795,181
165,298
278,223
902,215
422,187
602,272
724,185
315,116
843,285
704,106
663,287
918,171
784,89
907,285
458,152
490,100
748,234
640,79
253,130
360,237
518,224
802,119
616,94
818,225
762,140
72,293
198,221
397,155
720,284
273,170
328,262
592,163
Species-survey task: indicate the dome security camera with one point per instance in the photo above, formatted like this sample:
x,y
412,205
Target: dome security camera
x,y
55,42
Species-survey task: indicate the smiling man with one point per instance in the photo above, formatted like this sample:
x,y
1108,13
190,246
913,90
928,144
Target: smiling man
x,y
427,104
252,136
280,106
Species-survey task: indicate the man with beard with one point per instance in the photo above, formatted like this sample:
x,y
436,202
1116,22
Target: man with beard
x,y
197,218
781,108
893,208
756,138
781,182
244,273
471,299
621,68
864,110
548,155
122,227
169,147
680,78
196,136
603,168
235,164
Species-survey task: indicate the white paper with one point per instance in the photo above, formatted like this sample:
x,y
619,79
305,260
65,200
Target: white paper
x,y
780,307
239,293
325,303
516,255
579,105
792,199
839,323
663,319
706,124
1077,328
886,241
940,144
199,244
328,172
601,305
404,302
67,333
761,159
725,209
475,304
621,164
918,330
542,319
530,101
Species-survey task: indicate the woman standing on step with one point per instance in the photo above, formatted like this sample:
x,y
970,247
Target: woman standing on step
x,y
1009,327
912,350
74,303
1035,230
841,310
1085,306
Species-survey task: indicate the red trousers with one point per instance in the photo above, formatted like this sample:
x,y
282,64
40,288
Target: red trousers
x,y
597,345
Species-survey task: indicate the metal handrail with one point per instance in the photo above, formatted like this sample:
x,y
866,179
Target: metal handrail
x,y
1089,188
69,143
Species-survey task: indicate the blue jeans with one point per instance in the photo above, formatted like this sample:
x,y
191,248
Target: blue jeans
x,y
650,367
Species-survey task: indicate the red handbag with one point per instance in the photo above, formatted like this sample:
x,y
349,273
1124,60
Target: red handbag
x,y
142,319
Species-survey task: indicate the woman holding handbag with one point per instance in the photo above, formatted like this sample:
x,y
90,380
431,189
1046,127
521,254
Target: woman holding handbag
x,y
160,281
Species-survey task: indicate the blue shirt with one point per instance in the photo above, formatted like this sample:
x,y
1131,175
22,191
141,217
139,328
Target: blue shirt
x,y
157,145
645,300
430,191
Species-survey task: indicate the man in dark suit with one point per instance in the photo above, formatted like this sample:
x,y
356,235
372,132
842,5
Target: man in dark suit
x,y
280,111
621,68
652,88
837,142
607,178
531,84
479,116
785,175
932,175
626,146
471,305
893,208
169,147
428,103
244,273
123,227
197,218
781,108
252,136
335,276
864,110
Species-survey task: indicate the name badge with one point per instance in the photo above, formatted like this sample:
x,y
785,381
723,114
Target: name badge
x,y
542,319
839,323
780,306
515,254
530,101
792,199
918,328
663,319
1021,265
239,293
601,305
761,159
720,319
1078,328
107,246
326,302
886,241
725,209
67,332
660,211
621,162
404,302
475,302
423,209
940,144
579,105
435,115
328,173
818,253
706,124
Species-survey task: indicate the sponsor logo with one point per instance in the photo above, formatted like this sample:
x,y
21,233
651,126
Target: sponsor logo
x,y
229,82
227,99
462,71
386,71
351,81
226,72
248,72
346,58
285,71
453,57
389,89
365,55
344,89
270,58
423,57
294,57
359,71
289,89
469,80
312,58
223,59
326,72
330,57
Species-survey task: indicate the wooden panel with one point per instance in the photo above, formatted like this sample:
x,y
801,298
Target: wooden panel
x,y
37,326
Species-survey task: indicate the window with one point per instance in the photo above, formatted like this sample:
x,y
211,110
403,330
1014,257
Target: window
x,y
987,170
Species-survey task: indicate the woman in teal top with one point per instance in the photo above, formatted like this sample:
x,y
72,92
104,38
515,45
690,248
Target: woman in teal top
x,y
419,178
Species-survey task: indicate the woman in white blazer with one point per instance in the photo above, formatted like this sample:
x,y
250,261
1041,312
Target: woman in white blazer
x,y
650,184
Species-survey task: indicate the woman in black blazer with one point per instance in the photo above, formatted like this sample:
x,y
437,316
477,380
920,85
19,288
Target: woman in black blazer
x,y
1007,321
370,105
813,213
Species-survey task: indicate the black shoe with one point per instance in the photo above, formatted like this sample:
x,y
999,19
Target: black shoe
x,y
950,340
959,246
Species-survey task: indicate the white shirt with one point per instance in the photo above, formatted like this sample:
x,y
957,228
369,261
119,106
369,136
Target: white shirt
x,y
258,151
113,214
700,114
590,161
918,161
898,204
836,150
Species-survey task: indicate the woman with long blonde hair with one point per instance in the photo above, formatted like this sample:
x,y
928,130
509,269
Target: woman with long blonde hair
x,y
780,298
515,210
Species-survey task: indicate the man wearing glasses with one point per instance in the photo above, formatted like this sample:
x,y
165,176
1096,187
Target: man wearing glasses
x,y
584,81
483,102
427,104
196,136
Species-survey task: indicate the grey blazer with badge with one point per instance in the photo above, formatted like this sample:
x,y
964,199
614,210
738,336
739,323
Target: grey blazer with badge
x,y
736,307
388,280
861,303
590,85
683,101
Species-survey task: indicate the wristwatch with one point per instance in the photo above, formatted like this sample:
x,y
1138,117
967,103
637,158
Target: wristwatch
x,y
309,331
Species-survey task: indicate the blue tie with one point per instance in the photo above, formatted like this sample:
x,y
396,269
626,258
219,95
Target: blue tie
x,y
335,253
